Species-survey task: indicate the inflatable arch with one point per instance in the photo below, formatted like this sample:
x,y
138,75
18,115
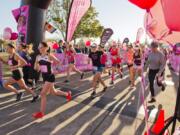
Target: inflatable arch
x,y
36,20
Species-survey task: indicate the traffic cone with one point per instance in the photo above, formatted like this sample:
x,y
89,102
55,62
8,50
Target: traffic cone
x,y
159,124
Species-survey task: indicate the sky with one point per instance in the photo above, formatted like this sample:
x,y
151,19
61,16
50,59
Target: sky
x,y
120,15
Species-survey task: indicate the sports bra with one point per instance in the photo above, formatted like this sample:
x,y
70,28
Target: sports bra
x,y
137,59
45,64
12,61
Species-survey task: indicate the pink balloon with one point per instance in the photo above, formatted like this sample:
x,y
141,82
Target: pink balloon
x,y
14,36
6,35
7,29
156,26
170,9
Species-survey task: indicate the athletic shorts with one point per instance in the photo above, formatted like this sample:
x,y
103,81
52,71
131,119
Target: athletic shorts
x,y
17,75
72,62
130,65
48,77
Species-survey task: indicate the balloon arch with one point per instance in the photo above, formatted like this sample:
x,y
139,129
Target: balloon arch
x,y
161,22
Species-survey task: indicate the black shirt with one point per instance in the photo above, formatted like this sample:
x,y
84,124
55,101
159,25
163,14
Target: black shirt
x,y
96,58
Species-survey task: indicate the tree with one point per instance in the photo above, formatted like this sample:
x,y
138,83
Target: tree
x,y
89,26
57,15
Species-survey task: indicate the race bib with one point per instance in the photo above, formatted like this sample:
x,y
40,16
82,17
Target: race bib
x,y
44,69
10,62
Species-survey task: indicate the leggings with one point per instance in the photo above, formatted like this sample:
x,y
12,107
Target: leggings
x,y
152,75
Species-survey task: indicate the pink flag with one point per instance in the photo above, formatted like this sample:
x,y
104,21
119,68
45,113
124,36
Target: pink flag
x,y
77,11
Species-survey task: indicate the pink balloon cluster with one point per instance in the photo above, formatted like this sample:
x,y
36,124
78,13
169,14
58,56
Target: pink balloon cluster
x,y
161,20
158,25
9,35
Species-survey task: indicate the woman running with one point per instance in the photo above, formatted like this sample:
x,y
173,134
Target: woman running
x,y
70,56
95,57
129,56
116,61
137,63
27,69
43,64
15,62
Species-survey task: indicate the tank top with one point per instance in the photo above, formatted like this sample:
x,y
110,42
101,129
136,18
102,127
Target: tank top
x,y
70,55
114,52
137,59
12,61
117,59
45,64
129,56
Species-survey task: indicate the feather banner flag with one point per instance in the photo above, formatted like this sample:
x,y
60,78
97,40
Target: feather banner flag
x,y
77,11
106,36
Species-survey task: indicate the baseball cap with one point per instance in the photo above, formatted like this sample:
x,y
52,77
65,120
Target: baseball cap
x,y
94,45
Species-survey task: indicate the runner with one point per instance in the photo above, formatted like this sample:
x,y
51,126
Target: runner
x,y
43,64
27,69
129,56
103,58
95,57
15,62
156,62
137,63
116,61
70,56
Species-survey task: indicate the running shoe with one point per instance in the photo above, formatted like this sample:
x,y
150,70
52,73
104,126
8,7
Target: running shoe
x,y
93,94
34,99
112,82
105,88
19,96
121,76
132,86
69,96
152,100
109,73
38,115
66,81
163,88
82,75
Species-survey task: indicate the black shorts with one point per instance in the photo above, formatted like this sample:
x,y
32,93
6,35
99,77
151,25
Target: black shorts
x,y
130,65
28,72
17,75
116,65
48,77
71,62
